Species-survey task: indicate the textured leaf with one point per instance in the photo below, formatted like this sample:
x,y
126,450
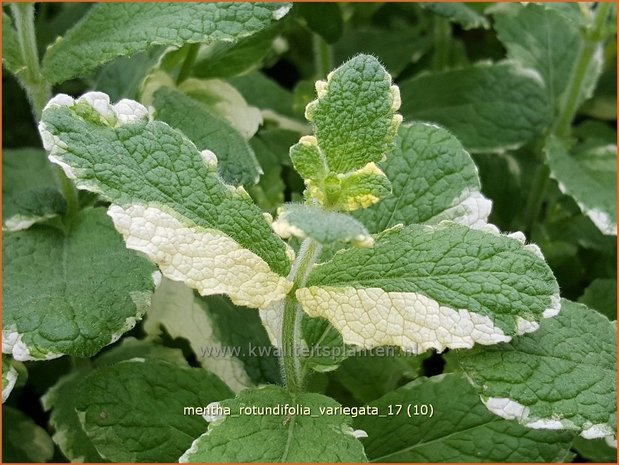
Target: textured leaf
x,y
9,377
110,31
459,13
60,399
29,190
460,429
225,101
278,437
236,161
355,122
433,179
70,293
11,54
561,377
439,287
323,226
23,440
601,295
354,116
133,411
590,178
223,337
489,107
167,198
540,38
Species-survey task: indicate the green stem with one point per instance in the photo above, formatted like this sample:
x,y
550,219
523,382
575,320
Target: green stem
x,y
37,88
70,194
568,107
575,88
323,56
442,40
537,193
291,326
190,59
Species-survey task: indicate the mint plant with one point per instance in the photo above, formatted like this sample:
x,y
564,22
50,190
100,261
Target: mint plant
x,y
203,266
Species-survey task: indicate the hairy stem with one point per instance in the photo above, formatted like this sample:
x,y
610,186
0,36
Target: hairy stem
x,y
323,56
575,87
37,88
291,328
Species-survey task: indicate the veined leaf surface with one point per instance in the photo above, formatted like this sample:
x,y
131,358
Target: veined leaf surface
x,y
167,198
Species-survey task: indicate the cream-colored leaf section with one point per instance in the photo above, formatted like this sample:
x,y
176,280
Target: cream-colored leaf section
x,y
175,308
204,259
11,379
372,317
471,209
513,410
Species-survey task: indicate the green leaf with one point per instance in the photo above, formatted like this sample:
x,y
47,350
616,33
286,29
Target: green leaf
x,y
130,347
9,377
459,430
355,122
69,434
135,411
459,13
596,450
290,434
226,59
433,179
540,38
123,77
110,31
423,287
326,349
369,376
227,340
236,161
167,198
354,116
29,191
323,226
60,399
225,101
590,178
271,149
264,93
560,377
489,107
23,440
325,19
70,293
394,50
11,54
601,295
